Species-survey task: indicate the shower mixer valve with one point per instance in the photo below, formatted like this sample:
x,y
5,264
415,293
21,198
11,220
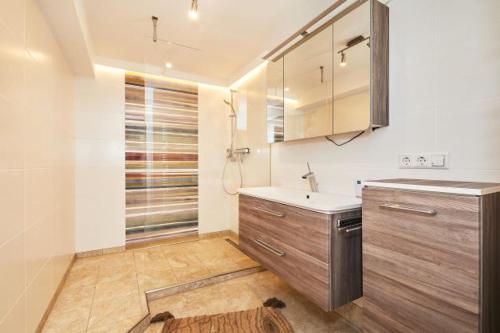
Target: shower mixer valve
x,y
233,154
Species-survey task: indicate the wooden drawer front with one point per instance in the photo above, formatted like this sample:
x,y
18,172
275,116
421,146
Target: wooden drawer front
x,y
420,267
305,230
306,274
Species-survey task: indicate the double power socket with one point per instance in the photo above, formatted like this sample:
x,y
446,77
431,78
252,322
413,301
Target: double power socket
x,y
423,161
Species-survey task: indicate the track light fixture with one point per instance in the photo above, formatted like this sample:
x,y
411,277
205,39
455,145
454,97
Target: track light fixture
x,y
353,42
343,63
155,28
193,12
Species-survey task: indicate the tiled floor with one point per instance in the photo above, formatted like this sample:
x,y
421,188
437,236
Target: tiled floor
x,y
249,292
106,293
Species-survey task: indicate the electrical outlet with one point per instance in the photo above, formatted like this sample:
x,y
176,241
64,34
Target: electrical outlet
x,y
423,161
405,161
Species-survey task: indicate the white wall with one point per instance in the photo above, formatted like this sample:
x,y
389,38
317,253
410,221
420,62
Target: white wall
x,y
444,97
214,205
100,160
36,165
250,103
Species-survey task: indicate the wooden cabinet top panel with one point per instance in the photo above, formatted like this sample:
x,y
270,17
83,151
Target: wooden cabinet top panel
x,y
442,186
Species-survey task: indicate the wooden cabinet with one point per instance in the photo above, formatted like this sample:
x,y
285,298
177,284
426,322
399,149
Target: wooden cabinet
x,y
335,79
430,261
307,249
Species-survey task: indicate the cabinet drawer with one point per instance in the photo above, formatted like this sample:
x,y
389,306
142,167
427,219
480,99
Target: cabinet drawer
x,y
420,260
303,272
306,231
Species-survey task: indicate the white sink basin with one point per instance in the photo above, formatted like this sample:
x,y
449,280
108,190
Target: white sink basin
x,y
326,203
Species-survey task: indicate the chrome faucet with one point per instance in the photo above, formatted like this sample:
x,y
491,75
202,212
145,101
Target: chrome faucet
x,y
312,179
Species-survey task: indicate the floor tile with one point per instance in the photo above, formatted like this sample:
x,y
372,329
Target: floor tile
x,y
120,310
106,293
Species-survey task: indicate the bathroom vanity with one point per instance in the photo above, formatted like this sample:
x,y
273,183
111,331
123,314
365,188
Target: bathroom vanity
x,y
431,256
311,240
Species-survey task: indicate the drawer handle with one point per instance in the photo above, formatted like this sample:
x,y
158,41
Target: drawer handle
x,y
269,248
352,229
408,209
270,212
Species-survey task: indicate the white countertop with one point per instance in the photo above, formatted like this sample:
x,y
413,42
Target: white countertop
x,y
326,203
441,186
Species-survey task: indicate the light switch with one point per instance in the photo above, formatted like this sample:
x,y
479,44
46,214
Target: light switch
x,y
438,160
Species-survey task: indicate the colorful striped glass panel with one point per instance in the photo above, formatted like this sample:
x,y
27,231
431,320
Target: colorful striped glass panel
x,y
161,155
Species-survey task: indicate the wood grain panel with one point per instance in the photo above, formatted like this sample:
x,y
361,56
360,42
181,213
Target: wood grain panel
x,y
389,306
346,271
427,266
379,46
440,183
305,230
490,263
306,274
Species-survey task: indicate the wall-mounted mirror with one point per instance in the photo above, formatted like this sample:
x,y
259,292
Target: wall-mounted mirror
x,y
275,103
335,79
308,88
351,74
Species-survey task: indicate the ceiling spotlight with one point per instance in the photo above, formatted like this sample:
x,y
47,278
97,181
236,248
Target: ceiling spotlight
x,y
168,65
155,28
343,63
193,12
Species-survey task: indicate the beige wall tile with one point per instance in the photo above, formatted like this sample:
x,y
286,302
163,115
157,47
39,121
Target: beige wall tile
x,y
12,15
11,135
36,165
12,63
15,320
39,294
11,203
37,248
12,272
38,196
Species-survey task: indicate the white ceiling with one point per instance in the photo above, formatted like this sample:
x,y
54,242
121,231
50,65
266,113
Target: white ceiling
x,y
231,34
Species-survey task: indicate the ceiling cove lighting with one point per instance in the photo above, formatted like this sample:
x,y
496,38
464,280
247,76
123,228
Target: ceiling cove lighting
x,y
193,12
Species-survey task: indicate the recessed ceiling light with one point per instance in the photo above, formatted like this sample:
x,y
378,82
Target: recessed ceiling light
x,y
287,89
193,12
168,65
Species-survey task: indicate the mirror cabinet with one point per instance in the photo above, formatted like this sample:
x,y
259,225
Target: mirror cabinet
x,y
334,80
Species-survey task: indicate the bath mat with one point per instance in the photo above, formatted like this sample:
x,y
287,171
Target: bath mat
x,y
274,303
260,320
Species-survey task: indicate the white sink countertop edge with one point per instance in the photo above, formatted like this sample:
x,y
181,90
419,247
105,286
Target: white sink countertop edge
x,y
325,203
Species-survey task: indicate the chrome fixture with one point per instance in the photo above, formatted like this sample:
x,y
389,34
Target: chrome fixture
x,y
233,154
312,179
193,12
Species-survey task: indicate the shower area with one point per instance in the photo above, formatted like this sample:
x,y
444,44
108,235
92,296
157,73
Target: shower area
x,y
161,157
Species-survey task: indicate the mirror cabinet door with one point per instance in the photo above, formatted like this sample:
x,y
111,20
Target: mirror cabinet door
x,y
351,74
308,88
274,96
322,85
